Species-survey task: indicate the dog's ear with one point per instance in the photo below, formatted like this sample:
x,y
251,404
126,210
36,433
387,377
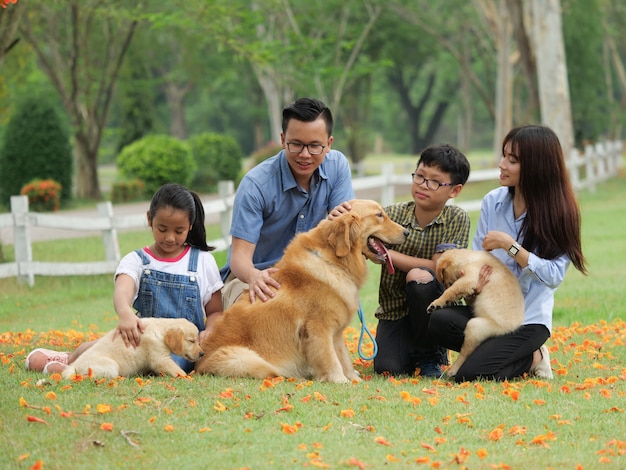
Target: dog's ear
x,y
174,339
343,234
442,264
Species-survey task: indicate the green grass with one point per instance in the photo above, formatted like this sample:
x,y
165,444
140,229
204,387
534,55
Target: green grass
x,y
575,421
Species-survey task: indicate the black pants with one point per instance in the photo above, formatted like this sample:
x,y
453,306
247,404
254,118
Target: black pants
x,y
403,343
498,358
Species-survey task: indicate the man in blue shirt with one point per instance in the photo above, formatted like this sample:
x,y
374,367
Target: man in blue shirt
x,y
288,193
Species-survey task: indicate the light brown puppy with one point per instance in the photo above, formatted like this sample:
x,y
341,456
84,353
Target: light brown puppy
x,y
498,309
299,332
110,358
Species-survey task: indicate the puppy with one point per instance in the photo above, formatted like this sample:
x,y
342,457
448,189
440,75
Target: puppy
x,y
299,332
498,309
111,358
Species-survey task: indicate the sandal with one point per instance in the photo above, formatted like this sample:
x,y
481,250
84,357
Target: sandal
x,y
39,359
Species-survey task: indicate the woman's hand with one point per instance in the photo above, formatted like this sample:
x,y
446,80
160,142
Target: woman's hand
x,y
494,240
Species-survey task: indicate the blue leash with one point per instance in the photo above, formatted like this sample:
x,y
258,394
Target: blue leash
x,y
365,329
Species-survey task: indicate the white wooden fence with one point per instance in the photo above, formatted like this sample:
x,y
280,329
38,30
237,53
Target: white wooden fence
x,y
587,169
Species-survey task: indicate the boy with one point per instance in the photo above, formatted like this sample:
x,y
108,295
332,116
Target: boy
x,y
403,342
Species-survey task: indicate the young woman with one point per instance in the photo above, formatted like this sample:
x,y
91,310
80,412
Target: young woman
x,y
175,277
532,223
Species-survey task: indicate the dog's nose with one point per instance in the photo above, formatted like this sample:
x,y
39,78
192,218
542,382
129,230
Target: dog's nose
x,y
406,232
201,353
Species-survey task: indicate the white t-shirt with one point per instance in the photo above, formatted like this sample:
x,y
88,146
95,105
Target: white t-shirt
x,y
207,274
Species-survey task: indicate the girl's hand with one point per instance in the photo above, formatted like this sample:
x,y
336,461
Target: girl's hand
x,y
130,329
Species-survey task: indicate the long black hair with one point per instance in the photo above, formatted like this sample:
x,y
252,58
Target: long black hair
x,y
181,198
553,221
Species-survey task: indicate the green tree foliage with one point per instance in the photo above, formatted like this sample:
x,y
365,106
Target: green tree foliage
x,y
156,160
36,145
218,157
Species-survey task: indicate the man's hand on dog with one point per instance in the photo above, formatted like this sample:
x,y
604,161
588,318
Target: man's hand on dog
x,y
260,284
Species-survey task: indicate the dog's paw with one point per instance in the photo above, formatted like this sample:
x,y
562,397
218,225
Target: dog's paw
x,y
434,306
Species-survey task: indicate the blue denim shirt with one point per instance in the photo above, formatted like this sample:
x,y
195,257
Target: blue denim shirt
x,y
270,208
540,279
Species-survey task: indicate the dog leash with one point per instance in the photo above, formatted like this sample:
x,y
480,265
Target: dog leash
x,y
365,330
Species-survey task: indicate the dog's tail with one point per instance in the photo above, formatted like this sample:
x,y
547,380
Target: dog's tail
x,y
237,361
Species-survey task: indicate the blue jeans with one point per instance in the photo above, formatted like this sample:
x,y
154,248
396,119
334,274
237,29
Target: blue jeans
x,y
166,295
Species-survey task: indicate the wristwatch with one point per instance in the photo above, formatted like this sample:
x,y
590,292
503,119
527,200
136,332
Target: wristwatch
x,y
515,247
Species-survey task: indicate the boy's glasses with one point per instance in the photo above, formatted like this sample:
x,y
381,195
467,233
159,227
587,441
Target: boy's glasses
x,y
430,184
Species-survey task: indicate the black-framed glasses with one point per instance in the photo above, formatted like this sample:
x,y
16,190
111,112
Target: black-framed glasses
x,y
430,184
314,149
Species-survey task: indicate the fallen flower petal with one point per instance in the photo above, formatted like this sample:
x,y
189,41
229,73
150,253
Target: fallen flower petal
x,y
34,419
382,441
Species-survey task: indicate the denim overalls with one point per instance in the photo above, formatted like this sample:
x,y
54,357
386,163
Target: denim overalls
x,y
165,295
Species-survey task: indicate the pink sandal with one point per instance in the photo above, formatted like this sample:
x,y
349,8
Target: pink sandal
x,y
39,360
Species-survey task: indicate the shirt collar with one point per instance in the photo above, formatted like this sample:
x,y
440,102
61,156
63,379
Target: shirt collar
x,y
288,180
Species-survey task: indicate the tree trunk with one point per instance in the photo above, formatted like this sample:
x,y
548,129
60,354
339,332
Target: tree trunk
x,y
176,102
554,99
504,80
86,160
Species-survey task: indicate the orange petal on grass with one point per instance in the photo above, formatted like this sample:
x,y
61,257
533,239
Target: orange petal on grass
x,y
354,462
37,465
425,459
496,434
23,402
288,428
168,428
482,453
103,408
106,426
382,441
349,413
34,419
51,396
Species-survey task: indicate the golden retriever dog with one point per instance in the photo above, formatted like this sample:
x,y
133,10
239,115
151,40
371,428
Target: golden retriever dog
x,y
111,358
299,332
498,309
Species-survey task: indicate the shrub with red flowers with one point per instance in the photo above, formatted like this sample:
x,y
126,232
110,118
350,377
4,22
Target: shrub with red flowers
x,y
43,195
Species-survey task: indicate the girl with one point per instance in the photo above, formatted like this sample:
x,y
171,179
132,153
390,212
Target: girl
x,y
531,223
174,277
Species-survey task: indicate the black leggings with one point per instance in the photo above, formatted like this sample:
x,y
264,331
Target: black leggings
x,y
498,358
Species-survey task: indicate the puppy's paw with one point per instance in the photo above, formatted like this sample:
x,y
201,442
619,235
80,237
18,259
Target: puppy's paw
x,y
434,306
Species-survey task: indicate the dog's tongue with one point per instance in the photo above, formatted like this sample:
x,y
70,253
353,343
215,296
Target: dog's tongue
x,y
383,254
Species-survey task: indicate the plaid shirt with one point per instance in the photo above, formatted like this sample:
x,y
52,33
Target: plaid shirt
x,y
452,225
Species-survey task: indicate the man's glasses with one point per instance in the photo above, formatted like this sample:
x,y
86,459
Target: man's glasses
x,y
430,184
314,149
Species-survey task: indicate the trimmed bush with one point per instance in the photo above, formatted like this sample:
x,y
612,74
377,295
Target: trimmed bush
x,y
156,160
43,195
128,191
36,146
218,157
